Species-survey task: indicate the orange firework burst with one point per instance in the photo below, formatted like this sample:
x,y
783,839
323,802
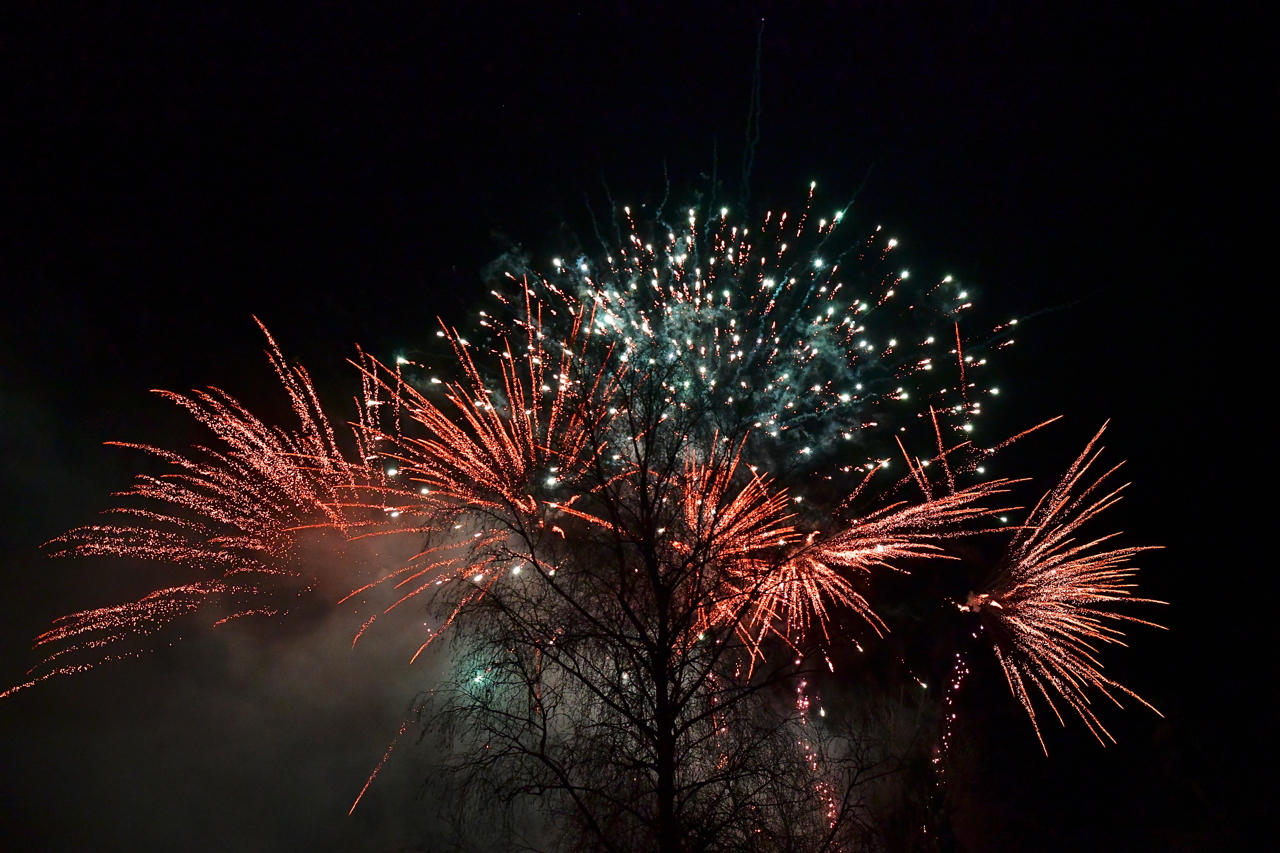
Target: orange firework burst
x,y
471,478
487,453
231,515
752,570
1044,606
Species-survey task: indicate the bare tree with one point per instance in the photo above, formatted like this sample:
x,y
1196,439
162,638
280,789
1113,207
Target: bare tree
x,y
636,673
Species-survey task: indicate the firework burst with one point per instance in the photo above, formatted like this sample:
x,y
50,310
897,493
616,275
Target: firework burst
x,y
713,399
1044,608
716,342
231,516
814,342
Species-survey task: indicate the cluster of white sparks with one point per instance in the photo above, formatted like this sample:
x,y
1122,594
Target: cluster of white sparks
x,y
789,328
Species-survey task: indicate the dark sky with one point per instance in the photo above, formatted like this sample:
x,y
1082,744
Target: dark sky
x,y
342,172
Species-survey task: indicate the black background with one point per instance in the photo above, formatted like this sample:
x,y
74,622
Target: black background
x,y
341,171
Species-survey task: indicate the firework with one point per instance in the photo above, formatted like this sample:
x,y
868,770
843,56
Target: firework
x,y
807,338
710,401
1044,607
759,342
231,517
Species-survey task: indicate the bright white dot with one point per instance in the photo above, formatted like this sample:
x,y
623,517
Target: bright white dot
x,y
892,243
401,360
995,390
903,274
391,472
479,578
425,490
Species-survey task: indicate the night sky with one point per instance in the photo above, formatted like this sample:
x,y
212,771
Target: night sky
x,y
170,170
